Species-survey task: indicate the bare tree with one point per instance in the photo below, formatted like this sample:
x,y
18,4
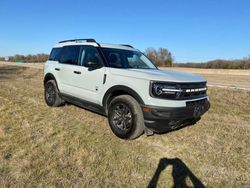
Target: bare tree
x,y
164,57
152,55
160,57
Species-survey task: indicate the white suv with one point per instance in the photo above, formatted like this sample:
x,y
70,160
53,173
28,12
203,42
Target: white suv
x,y
120,82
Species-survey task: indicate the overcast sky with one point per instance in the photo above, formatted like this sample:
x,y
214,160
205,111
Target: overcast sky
x,y
193,30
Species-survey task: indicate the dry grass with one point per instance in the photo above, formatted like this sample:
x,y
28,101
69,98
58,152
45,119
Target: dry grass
x,y
221,77
212,71
31,65
69,146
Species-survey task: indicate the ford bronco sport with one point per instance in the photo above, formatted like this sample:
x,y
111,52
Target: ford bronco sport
x,y
120,82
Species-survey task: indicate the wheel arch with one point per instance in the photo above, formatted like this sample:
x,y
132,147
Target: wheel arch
x,y
120,90
48,77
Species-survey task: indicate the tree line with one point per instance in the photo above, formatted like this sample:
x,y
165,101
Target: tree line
x,y
219,64
38,58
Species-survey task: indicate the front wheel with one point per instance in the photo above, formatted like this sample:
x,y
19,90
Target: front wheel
x,y
51,94
125,117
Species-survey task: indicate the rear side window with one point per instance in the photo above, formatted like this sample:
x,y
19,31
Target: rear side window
x,y
55,54
70,55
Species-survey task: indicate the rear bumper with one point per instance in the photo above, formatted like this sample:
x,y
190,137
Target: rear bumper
x,y
162,119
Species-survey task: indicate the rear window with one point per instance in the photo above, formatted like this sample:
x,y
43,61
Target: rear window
x,y
70,55
55,54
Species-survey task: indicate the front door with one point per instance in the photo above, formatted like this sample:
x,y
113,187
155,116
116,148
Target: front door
x,y
90,80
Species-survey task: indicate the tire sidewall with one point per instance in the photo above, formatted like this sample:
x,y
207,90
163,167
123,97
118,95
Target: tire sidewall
x,y
135,121
52,83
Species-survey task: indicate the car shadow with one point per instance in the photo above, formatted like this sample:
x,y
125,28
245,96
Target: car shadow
x,y
179,173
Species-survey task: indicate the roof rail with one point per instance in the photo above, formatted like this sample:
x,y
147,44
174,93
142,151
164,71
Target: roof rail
x,y
127,45
78,40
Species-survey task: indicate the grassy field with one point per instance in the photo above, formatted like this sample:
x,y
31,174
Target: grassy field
x,y
70,146
242,72
221,77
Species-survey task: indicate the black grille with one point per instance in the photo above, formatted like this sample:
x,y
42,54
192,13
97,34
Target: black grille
x,y
191,86
196,103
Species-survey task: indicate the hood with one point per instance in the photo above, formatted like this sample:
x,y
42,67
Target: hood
x,y
158,75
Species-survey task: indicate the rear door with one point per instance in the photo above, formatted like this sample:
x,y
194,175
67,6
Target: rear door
x,y
68,74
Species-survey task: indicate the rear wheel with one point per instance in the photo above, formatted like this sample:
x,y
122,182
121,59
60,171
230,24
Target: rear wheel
x,y
51,94
125,117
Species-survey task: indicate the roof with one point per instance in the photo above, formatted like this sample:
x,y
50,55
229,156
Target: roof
x,y
92,42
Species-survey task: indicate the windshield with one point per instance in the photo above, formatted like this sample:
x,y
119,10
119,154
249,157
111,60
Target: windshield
x,y
118,58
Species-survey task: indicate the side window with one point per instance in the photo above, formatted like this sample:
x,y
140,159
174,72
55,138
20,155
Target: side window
x,y
115,60
55,54
89,54
135,61
70,55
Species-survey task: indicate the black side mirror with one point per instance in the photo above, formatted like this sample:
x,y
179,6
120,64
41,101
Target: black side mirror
x,y
92,64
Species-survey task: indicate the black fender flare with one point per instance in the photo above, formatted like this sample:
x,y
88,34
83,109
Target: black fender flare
x,y
50,76
47,77
122,89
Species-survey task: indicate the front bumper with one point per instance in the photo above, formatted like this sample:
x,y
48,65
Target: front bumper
x,y
163,119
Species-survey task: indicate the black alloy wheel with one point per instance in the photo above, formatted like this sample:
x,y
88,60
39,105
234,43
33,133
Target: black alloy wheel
x,y
125,117
51,94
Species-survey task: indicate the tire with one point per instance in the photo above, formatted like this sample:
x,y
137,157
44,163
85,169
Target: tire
x,y
125,117
51,94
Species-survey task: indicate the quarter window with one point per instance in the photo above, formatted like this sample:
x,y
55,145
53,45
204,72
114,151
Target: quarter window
x,y
70,55
55,54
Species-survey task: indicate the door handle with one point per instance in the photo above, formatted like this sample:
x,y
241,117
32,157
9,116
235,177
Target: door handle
x,y
77,72
57,69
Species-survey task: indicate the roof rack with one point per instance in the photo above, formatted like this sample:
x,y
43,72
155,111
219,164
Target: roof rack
x,y
127,45
78,40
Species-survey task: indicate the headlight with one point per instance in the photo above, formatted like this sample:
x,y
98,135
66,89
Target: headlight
x,y
165,90
179,91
